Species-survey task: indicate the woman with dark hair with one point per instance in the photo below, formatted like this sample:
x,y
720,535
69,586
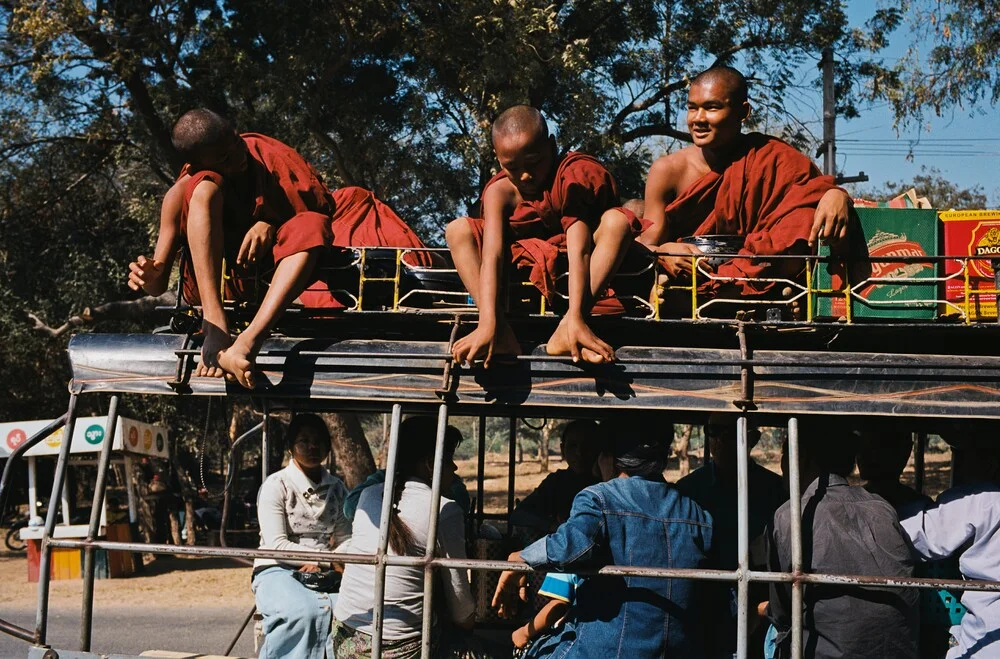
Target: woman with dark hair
x,y
299,508
404,586
635,518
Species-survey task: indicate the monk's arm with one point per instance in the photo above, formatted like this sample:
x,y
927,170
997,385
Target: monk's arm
x,y
205,240
154,276
545,619
496,205
579,245
659,193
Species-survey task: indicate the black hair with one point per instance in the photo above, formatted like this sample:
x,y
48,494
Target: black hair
x,y
417,437
637,451
519,119
199,129
829,443
302,421
734,78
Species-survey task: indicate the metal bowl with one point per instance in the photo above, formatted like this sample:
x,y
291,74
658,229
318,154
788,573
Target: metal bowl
x,y
716,244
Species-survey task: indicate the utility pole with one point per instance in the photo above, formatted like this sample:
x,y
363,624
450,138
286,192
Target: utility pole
x,y
829,114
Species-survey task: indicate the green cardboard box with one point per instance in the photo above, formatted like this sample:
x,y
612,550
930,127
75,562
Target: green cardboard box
x,y
909,232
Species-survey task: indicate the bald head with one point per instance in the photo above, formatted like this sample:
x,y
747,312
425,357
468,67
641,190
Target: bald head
x,y
734,82
199,130
520,120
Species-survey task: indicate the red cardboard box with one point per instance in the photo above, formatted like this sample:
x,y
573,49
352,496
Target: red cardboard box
x,y
971,233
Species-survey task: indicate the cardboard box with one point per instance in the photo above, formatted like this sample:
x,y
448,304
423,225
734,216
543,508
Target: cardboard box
x,y
972,233
889,232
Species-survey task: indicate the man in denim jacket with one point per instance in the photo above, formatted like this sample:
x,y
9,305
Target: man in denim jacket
x,y
633,518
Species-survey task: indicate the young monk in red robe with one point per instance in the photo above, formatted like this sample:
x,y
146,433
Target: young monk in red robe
x,y
543,203
253,200
749,185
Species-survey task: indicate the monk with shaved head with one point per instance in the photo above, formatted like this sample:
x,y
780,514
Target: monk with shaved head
x,y
254,202
749,185
540,203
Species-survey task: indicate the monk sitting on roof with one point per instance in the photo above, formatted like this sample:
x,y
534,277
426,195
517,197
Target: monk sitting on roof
x,y
748,185
543,203
253,200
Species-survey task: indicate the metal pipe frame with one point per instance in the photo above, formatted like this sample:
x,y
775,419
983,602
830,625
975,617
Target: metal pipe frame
x,y
511,466
743,535
45,560
481,472
96,507
432,526
795,522
378,615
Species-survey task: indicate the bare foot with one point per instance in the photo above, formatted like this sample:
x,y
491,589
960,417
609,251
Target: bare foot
x,y
216,340
574,337
238,361
658,289
483,344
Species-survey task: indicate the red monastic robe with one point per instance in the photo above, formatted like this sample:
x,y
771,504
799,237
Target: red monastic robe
x,y
768,193
581,190
282,189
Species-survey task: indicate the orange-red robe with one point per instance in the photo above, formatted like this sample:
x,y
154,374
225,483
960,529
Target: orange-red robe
x,y
282,189
768,193
581,190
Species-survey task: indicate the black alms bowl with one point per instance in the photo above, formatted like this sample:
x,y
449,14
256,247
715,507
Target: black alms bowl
x,y
716,244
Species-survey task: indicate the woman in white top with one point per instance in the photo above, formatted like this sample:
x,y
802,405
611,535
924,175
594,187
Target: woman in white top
x,y
404,586
299,508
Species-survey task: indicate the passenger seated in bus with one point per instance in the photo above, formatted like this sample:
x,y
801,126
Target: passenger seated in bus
x,y
749,185
713,487
560,589
255,202
965,523
883,453
628,519
300,508
845,530
544,202
404,586
549,504
457,492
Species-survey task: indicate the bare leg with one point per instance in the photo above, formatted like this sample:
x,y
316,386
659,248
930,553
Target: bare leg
x,y
204,228
469,264
611,242
290,278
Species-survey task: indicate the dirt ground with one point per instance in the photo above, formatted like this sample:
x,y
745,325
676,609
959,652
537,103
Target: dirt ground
x,y
204,582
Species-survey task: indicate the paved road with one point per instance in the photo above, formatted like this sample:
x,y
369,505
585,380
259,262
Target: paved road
x,y
131,631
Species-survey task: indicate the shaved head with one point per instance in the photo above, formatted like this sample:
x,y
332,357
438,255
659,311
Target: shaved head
x,y
519,120
198,130
734,82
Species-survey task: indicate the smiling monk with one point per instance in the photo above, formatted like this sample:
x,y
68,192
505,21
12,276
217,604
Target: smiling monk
x,y
251,199
748,185
543,203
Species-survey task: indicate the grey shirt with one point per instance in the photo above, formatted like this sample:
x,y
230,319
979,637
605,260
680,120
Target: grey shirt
x,y
846,530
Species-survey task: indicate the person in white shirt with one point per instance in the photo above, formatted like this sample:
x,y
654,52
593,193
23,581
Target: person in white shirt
x,y
300,508
404,586
965,522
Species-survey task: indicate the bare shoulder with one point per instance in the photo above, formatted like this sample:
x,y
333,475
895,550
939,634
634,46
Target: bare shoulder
x,y
673,168
205,191
500,195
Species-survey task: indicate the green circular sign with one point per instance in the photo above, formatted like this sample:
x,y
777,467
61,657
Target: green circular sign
x,y
94,434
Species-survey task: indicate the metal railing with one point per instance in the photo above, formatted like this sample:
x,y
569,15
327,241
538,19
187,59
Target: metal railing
x,y
742,576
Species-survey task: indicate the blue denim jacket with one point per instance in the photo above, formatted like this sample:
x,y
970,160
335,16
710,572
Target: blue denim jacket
x,y
628,521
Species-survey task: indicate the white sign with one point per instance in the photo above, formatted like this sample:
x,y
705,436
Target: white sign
x,y
88,437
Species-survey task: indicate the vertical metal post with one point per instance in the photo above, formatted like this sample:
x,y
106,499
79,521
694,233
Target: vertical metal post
x,y
32,487
481,473
96,510
432,526
743,536
378,618
511,467
920,440
795,519
265,445
45,560
829,114
133,500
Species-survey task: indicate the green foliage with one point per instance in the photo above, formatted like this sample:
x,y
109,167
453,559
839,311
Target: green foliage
x,y
942,193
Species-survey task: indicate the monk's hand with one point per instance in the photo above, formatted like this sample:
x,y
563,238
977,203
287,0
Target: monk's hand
x,y
477,345
831,218
310,567
258,240
512,589
146,275
677,261
216,340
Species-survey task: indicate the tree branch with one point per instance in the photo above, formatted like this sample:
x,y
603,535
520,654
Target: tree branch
x,y
117,310
655,129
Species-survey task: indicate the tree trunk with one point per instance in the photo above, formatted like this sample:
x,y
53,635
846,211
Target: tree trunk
x,y
175,528
543,447
189,522
681,444
351,450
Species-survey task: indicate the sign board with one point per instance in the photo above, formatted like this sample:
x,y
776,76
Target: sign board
x,y
88,437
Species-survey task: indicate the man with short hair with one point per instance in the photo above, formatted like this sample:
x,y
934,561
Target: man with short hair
x,y
750,185
845,530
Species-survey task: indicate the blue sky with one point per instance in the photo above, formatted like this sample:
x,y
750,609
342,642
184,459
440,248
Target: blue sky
x,y
966,149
